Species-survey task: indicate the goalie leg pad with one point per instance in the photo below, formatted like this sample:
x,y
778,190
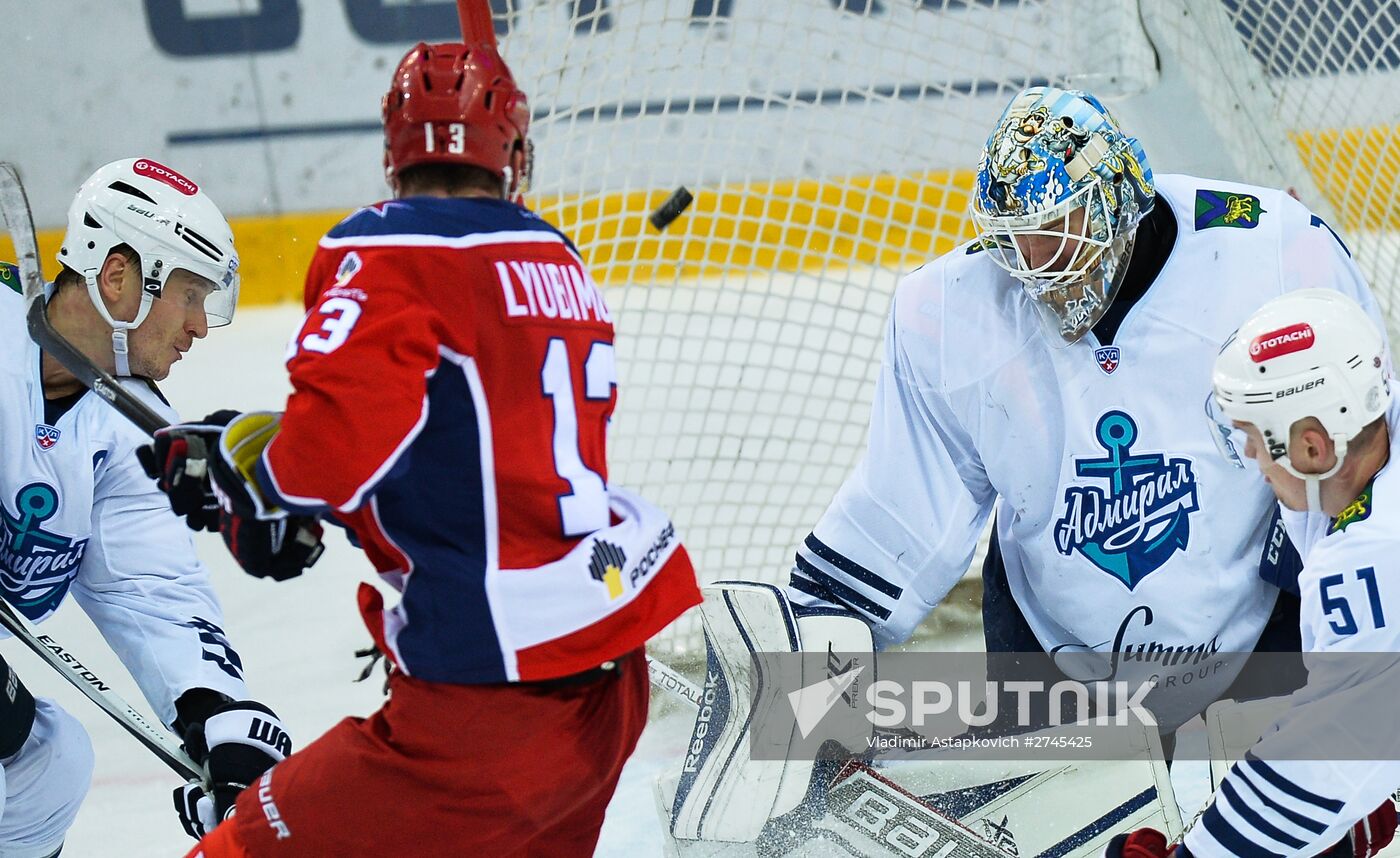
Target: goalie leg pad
x,y
724,794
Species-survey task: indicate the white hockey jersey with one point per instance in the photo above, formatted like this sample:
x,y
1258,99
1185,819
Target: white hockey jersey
x,y
1273,799
1123,530
77,514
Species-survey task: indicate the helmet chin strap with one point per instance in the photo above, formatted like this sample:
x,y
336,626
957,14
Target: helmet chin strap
x,y
1312,483
120,350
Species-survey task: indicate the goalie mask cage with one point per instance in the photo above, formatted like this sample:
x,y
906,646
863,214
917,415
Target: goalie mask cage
x,y
830,145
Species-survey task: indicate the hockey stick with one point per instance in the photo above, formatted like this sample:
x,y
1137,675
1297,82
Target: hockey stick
x,y
156,739
475,18
667,679
14,205
15,208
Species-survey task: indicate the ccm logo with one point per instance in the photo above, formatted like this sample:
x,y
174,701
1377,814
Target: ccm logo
x,y
1284,341
162,173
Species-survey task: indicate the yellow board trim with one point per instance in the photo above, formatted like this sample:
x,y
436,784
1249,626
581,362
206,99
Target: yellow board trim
x,y
785,225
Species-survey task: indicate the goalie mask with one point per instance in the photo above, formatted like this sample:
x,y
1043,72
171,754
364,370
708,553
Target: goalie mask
x,y
1310,353
168,221
1059,193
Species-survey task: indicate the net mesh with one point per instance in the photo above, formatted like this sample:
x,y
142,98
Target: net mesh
x,y
829,145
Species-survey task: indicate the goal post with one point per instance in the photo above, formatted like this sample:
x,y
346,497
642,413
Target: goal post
x,y
830,147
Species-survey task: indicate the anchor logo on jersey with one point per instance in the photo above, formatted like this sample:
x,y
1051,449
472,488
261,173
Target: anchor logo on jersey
x,y
36,565
1108,358
45,436
1143,517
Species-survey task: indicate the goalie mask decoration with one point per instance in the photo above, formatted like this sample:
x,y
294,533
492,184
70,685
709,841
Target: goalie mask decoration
x,y
1060,191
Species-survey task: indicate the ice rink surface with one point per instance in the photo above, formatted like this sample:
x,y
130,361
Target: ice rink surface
x,y
297,640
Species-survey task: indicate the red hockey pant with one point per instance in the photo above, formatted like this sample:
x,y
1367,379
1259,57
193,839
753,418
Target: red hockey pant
x,y
451,771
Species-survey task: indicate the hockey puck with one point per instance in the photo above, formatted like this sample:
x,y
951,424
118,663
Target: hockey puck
x,y
671,209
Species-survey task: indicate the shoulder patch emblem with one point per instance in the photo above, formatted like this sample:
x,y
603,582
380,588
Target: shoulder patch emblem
x,y
9,276
1357,510
349,267
980,245
1222,208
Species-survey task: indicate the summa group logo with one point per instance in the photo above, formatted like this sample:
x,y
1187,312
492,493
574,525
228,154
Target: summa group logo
x,y
1140,519
606,566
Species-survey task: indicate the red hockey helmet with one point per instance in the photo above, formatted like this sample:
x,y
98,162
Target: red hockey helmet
x,y
454,104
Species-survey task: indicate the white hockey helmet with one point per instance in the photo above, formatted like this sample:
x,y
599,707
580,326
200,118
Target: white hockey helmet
x,y
168,221
1308,353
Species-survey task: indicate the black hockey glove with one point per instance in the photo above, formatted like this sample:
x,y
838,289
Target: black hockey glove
x,y
236,743
16,711
266,540
178,460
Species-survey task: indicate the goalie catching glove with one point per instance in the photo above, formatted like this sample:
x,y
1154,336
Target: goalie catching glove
x,y
236,743
216,458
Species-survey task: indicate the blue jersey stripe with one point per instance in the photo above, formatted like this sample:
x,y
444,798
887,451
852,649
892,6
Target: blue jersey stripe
x,y
1267,772
1291,815
841,592
1226,835
441,526
852,568
448,218
1250,815
802,584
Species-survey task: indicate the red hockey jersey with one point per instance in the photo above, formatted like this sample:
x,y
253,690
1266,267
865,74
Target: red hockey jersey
x,y
453,382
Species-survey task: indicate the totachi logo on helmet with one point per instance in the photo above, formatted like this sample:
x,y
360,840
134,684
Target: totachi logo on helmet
x,y
1284,341
161,173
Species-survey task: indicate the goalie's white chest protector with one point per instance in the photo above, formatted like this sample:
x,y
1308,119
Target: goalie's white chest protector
x,y
1122,527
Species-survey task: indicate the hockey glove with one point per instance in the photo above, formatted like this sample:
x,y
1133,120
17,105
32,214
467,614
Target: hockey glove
x,y
1143,843
178,460
266,540
237,743
1369,836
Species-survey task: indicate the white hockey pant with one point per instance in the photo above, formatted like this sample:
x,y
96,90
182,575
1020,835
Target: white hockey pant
x,y
43,785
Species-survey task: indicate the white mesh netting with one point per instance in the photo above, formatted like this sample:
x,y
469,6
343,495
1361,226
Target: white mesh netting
x,y
830,145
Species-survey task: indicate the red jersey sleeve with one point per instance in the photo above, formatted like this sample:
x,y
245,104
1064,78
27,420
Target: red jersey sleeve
x,y
359,367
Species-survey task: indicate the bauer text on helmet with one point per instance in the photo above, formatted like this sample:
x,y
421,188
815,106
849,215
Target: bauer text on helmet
x,y
1310,355
1059,193
457,104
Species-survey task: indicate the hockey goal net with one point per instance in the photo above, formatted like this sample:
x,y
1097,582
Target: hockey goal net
x,y
830,145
